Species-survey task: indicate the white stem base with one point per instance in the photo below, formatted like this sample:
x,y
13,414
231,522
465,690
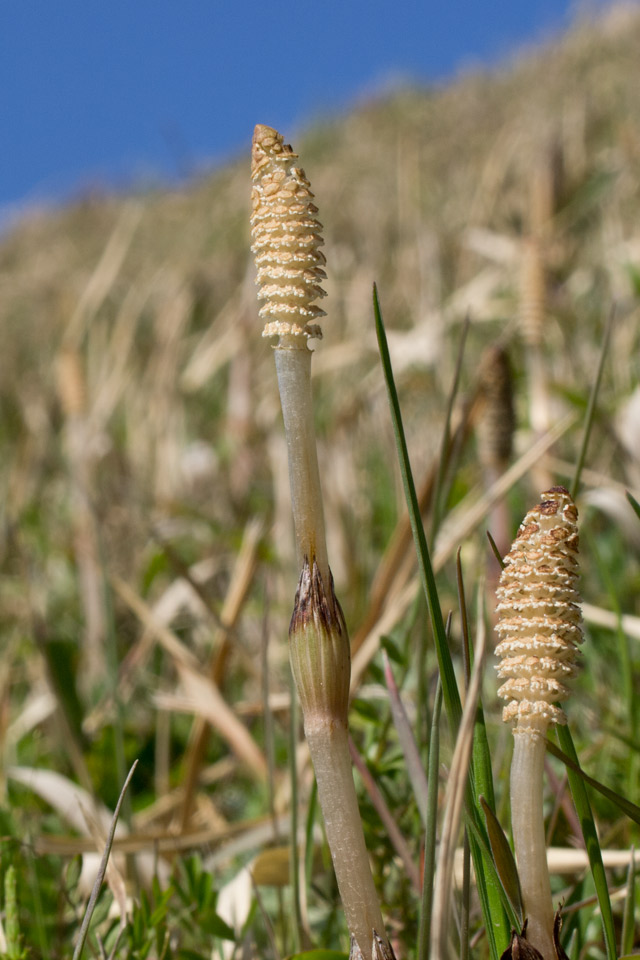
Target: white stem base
x,y
337,795
527,823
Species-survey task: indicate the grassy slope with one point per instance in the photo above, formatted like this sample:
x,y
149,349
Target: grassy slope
x,y
151,296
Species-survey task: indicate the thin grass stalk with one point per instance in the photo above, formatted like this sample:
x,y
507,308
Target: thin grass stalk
x,y
445,445
93,899
489,890
627,935
104,274
424,930
240,583
309,847
423,722
449,684
112,670
162,754
208,700
10,939
625,655
72,390
380,805
562,802
465,900
271,935
578,790
456,790
533,297
36,899
494,429
410,752
494,549
591,406
69,730
592,844
505,864
391,568
630,809
634,504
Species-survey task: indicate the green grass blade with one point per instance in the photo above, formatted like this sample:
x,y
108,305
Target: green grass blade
x,y
504,861
111,652
626,670
628,926
591,406
583,809
456,797
93,899
443,461
320,955
499,917
408,745
494,548
465,899
37,910
14,950
492,892
424,931
634,503
387,818
464,620
490,881
481,773
309,849
450,691
630,809
491,895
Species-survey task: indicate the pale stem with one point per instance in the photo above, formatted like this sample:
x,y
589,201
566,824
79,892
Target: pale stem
x,y
325,731
293,367
527,823
329,748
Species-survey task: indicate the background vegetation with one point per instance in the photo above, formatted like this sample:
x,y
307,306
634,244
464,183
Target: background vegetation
x,y
146,551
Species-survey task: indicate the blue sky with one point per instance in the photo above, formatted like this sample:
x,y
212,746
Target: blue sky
x,y
114,92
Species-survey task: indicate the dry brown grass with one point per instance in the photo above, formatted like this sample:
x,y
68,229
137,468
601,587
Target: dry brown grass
x,y
435,195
